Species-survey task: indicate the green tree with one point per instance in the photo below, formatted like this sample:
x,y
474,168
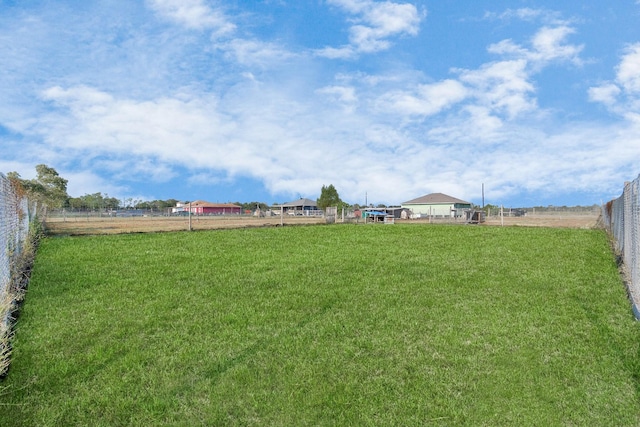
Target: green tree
x,y
489,208
329,197
171,202
252,206
111,202
48,187
76,203
95,201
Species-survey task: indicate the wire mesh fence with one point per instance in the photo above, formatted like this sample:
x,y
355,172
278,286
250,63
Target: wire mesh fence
x,y
621,217
14,228
15,218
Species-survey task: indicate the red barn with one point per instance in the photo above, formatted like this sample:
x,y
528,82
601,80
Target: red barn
x,y
200,207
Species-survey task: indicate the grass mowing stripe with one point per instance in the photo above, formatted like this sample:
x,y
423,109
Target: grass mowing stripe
x,y
398,325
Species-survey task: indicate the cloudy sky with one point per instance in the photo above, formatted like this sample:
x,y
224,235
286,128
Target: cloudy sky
x,y
269,100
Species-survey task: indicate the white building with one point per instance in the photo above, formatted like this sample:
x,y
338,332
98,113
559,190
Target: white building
x,y
437,205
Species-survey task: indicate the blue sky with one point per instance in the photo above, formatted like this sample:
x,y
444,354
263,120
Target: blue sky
x,y
270,100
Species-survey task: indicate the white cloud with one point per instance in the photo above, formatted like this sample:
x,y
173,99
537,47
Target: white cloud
x,y
606,94
425,100
524,13
343,94
295,146
547,45
628,72
16,165
622,96
471,125
505,87
79,96
164,129
193,14
87,182
262,133
508,47
527,14
502,86
373,24
247,106
255,53
344,52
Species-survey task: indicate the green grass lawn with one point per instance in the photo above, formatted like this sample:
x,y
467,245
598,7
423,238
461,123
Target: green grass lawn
x,y
327,325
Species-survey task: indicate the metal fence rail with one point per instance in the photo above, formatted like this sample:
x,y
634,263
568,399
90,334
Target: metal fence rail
x,y
622,218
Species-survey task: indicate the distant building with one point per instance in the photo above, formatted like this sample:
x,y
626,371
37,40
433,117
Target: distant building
x,y
437,205
200,207
179,209
301,206
393,211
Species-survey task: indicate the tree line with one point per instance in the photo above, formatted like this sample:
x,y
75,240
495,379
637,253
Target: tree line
x,y
50,189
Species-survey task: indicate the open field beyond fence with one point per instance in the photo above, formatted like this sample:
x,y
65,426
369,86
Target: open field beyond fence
x,y
80,225
327,325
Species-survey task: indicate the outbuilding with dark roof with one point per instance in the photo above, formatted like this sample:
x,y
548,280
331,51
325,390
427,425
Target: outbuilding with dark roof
x,y
301,206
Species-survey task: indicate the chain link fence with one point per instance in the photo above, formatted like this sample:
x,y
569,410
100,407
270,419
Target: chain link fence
x,y
621,217
16,215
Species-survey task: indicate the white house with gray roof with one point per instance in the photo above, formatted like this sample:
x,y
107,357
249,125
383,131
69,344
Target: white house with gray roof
x,y
437,205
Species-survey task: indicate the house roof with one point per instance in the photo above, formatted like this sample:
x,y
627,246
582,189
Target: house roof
x,y
202,203
300,202
435,199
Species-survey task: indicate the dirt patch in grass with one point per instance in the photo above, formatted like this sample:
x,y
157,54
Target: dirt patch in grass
x,y
115,225
562,221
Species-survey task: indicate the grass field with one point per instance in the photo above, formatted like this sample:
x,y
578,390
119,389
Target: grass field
x,y
327,325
